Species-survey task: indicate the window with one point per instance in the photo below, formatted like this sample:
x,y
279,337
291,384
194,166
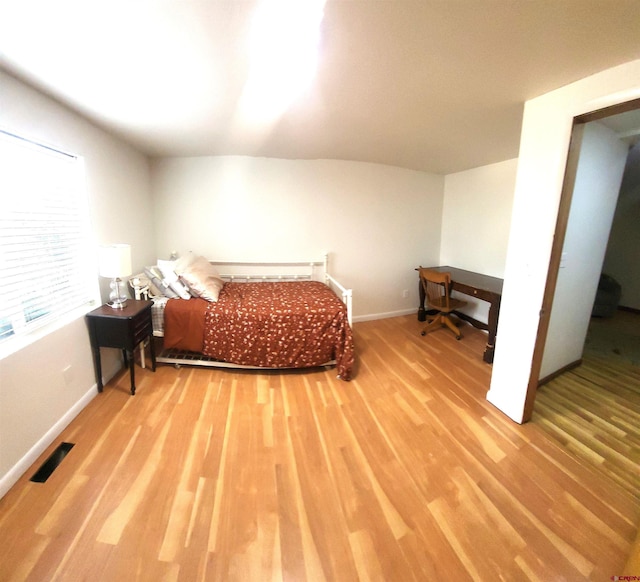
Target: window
x,y
46,269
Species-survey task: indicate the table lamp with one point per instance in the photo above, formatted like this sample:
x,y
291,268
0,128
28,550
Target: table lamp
x,y
115,262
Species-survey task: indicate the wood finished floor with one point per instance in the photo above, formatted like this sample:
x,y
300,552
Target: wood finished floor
x,y
404,473
594,412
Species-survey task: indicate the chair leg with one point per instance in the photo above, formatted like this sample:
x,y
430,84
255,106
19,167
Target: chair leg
x,y
441,320
436,322
452,327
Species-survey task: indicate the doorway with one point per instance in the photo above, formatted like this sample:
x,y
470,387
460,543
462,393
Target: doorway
x,y
624,119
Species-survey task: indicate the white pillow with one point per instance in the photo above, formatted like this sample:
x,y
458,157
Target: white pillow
x,y
180,289
167,268
171,280
156,279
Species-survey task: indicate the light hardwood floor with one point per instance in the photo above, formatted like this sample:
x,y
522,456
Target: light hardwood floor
x,y
404,473
594,412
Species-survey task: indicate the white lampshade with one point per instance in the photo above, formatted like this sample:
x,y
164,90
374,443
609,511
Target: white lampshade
x,y
115,261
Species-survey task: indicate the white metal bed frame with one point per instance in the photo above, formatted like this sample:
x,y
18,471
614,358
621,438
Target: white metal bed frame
x,y
251,271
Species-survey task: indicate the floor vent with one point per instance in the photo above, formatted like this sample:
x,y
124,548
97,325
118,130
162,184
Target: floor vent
x,y
50,465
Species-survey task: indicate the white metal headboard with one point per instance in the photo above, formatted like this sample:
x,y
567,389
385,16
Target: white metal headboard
x,y
242,271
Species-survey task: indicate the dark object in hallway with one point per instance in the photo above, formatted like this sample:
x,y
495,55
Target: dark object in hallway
x,y
607,297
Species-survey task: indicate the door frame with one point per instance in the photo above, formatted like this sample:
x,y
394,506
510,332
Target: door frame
x,y
566,197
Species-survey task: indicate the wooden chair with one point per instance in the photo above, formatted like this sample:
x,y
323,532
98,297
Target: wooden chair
x,y
437,291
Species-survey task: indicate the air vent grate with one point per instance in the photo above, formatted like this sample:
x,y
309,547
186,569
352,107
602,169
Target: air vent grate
x,y
50,465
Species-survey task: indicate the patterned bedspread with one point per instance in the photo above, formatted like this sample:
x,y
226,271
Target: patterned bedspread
x,y
275,325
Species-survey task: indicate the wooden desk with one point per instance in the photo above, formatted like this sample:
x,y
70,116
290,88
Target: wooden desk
x,y
475,285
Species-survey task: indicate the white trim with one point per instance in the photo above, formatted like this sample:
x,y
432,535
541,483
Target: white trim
x,y
386,315
10,478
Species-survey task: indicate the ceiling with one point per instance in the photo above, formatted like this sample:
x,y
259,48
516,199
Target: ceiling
x,y
430,85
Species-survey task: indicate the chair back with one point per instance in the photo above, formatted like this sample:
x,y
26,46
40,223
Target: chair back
x,y
437,288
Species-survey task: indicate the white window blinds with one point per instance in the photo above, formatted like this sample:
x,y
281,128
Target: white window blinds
x,y
45,255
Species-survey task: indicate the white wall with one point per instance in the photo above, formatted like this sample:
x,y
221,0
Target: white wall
x,y
622,260
475,223
377,222
45,384
598,177
544,144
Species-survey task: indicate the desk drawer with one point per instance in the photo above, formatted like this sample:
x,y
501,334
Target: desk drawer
x,y
141,326
473,292
124,332
113,333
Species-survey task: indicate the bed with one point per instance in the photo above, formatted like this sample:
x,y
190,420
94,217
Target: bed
x,y
254,316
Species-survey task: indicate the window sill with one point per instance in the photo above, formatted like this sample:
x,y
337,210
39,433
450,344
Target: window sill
x,y
20,341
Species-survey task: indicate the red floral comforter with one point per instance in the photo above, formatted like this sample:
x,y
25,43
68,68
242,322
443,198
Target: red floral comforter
x,y
274,325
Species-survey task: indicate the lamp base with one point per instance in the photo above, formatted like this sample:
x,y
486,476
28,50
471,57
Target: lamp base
x,y
118,298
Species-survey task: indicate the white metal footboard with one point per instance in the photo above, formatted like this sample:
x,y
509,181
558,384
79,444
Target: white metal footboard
x,y
347,294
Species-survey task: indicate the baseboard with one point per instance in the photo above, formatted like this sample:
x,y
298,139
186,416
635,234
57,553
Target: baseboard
x,y
559,372
373,316
386,315
629,309
10,478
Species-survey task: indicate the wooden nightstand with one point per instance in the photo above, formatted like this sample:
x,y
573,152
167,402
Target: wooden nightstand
x,y
121,328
